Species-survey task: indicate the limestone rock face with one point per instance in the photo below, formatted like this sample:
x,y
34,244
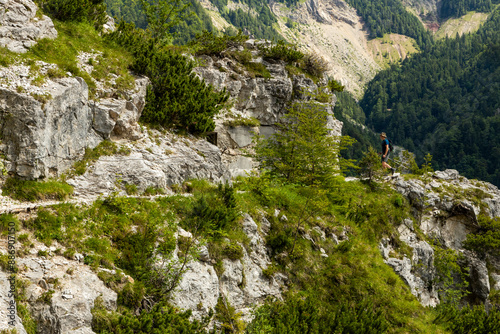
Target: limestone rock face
x,y
73,297
153,162
42,139
242,283
418,272
45,129
448,207
20,27
264,99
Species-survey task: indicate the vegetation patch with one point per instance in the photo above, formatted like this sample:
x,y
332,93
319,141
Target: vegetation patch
x,y
105,147
37,190
240,121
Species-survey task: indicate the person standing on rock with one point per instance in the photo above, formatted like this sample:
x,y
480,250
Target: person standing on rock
x,y
385,152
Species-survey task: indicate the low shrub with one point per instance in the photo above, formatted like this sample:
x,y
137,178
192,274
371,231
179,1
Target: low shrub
x,y
36,190
303,315
208,43
92,11
282,50
162,318
487,239
315,65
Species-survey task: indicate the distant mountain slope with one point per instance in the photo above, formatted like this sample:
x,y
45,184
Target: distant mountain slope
x,y
390,16
446,102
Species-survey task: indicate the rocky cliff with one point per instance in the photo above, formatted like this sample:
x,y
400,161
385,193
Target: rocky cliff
x,y
447,207
21,26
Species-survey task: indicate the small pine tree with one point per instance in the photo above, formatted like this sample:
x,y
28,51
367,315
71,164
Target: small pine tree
x,y
302,150
370,165
177,97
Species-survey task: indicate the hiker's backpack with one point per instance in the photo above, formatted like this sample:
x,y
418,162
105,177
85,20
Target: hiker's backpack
x,y
391,148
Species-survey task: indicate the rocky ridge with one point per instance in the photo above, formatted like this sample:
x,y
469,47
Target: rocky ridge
x,y
252,97
330,28
448,206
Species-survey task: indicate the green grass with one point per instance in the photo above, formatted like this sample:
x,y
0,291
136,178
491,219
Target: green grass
x,y
105,147
37,190
240,121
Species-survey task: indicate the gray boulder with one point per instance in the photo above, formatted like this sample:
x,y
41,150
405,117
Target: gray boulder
x,y
69,309
42,139
152,162
20,27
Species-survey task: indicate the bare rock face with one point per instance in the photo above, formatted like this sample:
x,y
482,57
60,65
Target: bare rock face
x,y
45,128
448,206
155,162
75,288
20,27
242,283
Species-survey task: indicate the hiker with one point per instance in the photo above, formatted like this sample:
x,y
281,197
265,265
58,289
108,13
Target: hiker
x,y
385,152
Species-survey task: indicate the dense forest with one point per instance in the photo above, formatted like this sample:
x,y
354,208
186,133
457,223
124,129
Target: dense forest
x,y
457,8
259,23
389,16
197,19
445,101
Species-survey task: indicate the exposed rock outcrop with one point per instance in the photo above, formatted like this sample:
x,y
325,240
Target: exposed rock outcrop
x,y
242,283
447,206
153,162
21,27
46,127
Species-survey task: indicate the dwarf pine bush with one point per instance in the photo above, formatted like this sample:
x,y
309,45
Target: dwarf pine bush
x,y
92,11
176,98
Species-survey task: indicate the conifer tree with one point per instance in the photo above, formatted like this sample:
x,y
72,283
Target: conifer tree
x,y
303,150
162,16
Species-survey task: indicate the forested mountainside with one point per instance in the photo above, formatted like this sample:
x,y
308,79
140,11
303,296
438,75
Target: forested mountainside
x,y
445,101
195,21
457,8
257,19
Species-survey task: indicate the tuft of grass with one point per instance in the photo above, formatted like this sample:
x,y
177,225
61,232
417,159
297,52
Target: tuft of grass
x,y
106,147
7,222
7,57
76,37
240,121
33,191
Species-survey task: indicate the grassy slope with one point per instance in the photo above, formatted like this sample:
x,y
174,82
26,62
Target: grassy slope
x,y
354,272
392,48
468,23
72,39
